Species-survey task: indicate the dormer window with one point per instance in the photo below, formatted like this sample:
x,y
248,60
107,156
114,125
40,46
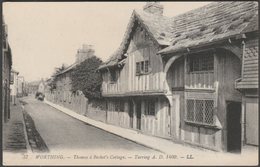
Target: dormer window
x,y
113,76
142,67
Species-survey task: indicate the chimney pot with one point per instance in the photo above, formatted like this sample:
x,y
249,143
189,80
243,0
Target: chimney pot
x,y
153,8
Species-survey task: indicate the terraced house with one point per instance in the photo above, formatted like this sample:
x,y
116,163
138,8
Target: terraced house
x,y
63,81
6,73
192,78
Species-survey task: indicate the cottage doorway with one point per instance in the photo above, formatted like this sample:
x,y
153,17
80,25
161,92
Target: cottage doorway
x,y
138,115
234,127
131,113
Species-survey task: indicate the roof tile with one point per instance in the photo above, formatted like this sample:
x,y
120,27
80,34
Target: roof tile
x,y
209,23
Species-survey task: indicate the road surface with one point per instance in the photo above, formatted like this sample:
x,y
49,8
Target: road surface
x,y
60,131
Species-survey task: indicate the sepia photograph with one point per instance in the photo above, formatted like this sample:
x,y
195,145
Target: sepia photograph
x,y
130,83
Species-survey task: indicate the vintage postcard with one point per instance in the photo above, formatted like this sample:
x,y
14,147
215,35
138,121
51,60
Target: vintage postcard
x,y
130,83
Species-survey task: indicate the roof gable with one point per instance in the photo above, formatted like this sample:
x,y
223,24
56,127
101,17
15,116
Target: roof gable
x,y
156,26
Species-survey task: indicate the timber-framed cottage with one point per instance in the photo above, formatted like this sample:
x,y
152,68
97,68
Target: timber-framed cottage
x,y
188,78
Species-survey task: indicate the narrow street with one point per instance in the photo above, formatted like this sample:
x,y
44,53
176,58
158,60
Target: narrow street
x,y
62,132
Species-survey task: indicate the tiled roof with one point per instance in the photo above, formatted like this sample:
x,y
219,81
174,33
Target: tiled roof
x,y
158,26
213,22
210,23
67,69
250,68
252,26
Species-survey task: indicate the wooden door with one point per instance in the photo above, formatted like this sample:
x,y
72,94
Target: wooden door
x,y
252,123
138,115
234,127
131,114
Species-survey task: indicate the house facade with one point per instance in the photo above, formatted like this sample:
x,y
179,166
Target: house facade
x,y
33,87
63,79
6,73
63,84
248,86
21,86
175,77
41,86
14,86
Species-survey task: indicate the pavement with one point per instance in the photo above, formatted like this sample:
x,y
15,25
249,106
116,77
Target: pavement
x,y
168,147
14,133
61,128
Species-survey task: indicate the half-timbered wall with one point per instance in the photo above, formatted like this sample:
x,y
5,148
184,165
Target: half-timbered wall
x,y
175,75
118,117
229,70
216,85
199,79
141,48
157,124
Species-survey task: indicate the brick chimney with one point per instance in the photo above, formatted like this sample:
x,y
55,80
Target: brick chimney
x,y
154,8
84,53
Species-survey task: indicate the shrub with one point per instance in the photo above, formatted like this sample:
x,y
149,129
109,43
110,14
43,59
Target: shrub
x,y
86,78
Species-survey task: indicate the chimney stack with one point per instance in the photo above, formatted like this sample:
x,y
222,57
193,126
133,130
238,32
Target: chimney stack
x,y
153,8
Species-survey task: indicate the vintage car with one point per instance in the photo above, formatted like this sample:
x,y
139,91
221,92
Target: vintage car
x,y
39,96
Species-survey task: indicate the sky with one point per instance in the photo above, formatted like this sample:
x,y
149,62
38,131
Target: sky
x,y
44,35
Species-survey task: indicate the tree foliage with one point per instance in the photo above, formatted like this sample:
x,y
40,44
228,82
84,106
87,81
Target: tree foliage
x,y
86,78
53,81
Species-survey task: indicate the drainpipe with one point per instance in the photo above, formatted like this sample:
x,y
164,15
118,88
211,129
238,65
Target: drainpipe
x,y
242,118
243,53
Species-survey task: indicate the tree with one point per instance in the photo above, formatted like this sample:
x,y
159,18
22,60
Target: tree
x,y
86,78
53,80
60,69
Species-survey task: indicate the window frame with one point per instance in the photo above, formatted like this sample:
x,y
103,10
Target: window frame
x,y
149,107
113,76
117,105
121,106
195,112
201,63
143,67
137,68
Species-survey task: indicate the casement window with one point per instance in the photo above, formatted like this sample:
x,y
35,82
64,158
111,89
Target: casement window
x,y
117,106
121,106
149,107
142,67
138,68
201,63
146,66
113,76
200,111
